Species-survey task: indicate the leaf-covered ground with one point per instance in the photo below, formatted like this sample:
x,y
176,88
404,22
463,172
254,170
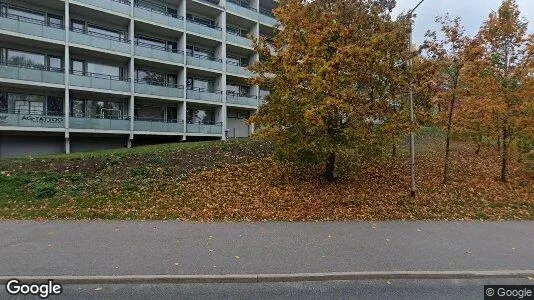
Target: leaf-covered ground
x,y
238,181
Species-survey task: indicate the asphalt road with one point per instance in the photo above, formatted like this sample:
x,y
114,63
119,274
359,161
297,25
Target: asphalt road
x,y
157,248
397,289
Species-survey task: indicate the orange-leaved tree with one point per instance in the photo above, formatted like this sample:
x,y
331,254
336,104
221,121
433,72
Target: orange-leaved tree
x,y
337,68
506,78
449,54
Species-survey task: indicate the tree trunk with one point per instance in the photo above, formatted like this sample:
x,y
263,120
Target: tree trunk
x,y
330,167
448,142
479,145
394,150
499,143
504,156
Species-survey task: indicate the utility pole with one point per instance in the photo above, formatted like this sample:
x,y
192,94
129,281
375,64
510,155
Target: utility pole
x,y
413,189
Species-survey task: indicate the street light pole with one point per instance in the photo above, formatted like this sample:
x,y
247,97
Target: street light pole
x,y
413,188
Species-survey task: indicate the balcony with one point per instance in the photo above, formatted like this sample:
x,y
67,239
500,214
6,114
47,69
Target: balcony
x,y
159,126
214,32
242,100
100,41
99,123
204,62
158,17
159,89
204,95
34,73
237,69
267,17
241,8
99,81
29,120
204,128
29,26
160,53
117,6
238,40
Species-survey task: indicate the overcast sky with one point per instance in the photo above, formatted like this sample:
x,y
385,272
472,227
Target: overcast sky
x,y
472,12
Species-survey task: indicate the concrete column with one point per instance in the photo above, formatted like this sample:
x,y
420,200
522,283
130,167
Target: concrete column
x,y
223,79
131,36
66,62
183,46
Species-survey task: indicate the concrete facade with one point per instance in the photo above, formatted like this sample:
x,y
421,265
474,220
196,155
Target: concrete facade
x,y
80,75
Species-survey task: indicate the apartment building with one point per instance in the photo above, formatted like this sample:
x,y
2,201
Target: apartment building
x,y
78,75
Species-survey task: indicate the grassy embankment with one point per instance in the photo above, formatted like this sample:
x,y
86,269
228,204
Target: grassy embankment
x,y
238,181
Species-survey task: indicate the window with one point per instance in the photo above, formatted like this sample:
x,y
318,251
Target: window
x,y
78,108
55,63
200,52
26,13
201,84
106,32
155,43
55,21
23,58
233,60
77,25
200,20
172,114
78,67
201,116
27,104
3,103
150,77
172,80
101,69
54,106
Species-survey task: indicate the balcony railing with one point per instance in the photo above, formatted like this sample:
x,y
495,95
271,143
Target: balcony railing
x,y
141,124
204,128
99,81
99,40
238,39
31,120
242,99
204,95
99,123
204,62
160,53
29,26
235,68
242,8
203,29
159,89
267,17
156,16
118,6
28,72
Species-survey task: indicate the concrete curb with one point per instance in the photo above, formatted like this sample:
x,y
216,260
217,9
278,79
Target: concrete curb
x,y
258,278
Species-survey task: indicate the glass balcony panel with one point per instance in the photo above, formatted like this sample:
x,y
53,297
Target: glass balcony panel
x,y
165,91
176,57
159,126
118,6
29,74
240,10
204,95
99,124
204,128
99,83
267,19
239,40
238,70
204,30
99,42
20,120
158,17
204,63
32,27
242,100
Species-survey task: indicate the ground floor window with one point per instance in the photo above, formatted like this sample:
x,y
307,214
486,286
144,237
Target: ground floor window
x,y
17,103
200,116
